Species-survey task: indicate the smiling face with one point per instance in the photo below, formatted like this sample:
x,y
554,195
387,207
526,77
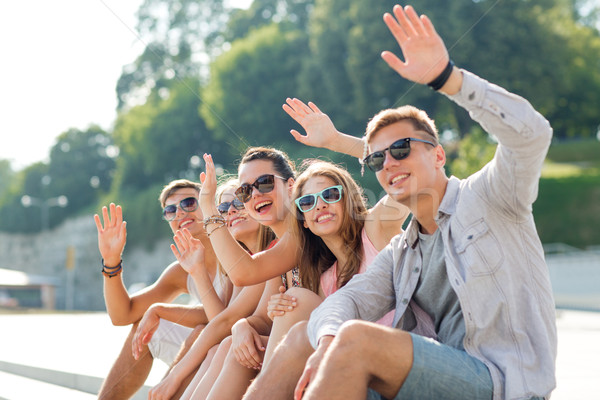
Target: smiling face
x,y
325,219
405,180
190,220
241,226
272,208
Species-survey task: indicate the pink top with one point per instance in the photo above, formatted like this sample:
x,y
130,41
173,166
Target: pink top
x,y
329,277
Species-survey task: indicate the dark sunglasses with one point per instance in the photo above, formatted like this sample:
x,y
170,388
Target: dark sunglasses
x,y
224,206
264,184
329,195
400,149
189,204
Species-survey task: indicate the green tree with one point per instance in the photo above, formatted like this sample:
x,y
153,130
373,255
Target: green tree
x,y
6,176
81,167
157,140
472,152
181,36
248,85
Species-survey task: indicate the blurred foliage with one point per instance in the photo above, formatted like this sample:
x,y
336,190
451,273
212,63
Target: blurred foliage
x,y
470,155
212,79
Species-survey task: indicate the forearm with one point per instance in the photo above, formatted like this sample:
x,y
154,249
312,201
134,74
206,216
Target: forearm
x,y
347,144
118,302
190,316
260,324
209,298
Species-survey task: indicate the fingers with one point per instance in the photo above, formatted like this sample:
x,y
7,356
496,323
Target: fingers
x,y
302,384
393,61
395,28
298,136
175,252
98,223
314,107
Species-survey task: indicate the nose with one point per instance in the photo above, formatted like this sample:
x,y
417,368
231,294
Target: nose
x,y
388,160
180,213
321,204
232,210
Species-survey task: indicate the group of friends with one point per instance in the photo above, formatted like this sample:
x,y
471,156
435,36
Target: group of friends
x,y
302,291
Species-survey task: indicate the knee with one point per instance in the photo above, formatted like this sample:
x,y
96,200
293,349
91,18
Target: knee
x,y
297,336
352,336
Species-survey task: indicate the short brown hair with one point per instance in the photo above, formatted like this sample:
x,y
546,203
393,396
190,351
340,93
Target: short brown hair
x,y
418,118
174,186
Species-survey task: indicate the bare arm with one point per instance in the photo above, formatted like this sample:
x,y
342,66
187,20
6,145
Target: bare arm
x,y
320,131
213,333
122,308
384,221
242,268
189,251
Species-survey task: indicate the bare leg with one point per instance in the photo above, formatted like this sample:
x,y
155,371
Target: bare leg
x,y
202,386
290,356
233,379
127,375
307,302
385,356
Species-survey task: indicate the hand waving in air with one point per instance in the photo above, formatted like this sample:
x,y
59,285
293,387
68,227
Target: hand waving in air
x,y
189,251
425,55
320,131
209,187
112,236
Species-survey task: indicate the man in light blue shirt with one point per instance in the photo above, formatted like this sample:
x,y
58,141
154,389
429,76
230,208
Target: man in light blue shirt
x,y
474,312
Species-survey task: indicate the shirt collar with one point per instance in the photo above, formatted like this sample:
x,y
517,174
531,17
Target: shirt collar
x,y
446,208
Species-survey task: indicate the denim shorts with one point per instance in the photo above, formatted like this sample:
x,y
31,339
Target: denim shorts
x,y
442,372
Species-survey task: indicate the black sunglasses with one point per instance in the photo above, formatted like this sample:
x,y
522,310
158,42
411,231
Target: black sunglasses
x,y
264,184
224,206
189,204
329,195
400,149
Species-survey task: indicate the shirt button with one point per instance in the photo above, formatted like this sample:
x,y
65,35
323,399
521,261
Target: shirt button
x,y
416,269
404,301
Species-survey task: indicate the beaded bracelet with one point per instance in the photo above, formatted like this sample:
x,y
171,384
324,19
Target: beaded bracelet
x,y
112,271
442,78
214,219
213,231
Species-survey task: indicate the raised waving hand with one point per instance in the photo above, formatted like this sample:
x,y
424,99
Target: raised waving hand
x,y
320,131
425,55
112,235
189,251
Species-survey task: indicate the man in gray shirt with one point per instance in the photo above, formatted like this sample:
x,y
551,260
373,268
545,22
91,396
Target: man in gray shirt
x,y
474,312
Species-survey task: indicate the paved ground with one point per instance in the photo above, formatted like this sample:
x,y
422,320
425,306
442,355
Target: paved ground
x,y
66,355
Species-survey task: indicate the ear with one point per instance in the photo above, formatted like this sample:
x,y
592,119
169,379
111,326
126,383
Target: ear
x,y
440,157
290,183
305,224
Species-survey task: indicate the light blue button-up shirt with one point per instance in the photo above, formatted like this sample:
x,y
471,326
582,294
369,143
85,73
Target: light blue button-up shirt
x,y
494,258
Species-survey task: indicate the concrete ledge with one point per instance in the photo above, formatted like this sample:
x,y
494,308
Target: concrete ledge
x,y
80,382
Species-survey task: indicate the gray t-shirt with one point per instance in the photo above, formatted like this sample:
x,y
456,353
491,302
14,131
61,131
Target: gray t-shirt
x,y
435,295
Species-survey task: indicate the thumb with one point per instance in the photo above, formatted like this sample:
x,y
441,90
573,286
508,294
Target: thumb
x,y
301,386
202,177
299,137
258,342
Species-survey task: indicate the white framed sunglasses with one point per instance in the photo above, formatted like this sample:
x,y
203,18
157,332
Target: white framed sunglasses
x,y
329,195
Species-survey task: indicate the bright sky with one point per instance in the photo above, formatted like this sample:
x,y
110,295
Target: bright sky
x,y
60,64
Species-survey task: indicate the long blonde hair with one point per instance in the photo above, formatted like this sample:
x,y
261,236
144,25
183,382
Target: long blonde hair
x,y
316,257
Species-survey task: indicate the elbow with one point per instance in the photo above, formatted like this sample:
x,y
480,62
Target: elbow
x,y
119,321
243,280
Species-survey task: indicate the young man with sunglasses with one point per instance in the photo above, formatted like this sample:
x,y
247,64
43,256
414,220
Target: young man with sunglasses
x,y
169,341
474,312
